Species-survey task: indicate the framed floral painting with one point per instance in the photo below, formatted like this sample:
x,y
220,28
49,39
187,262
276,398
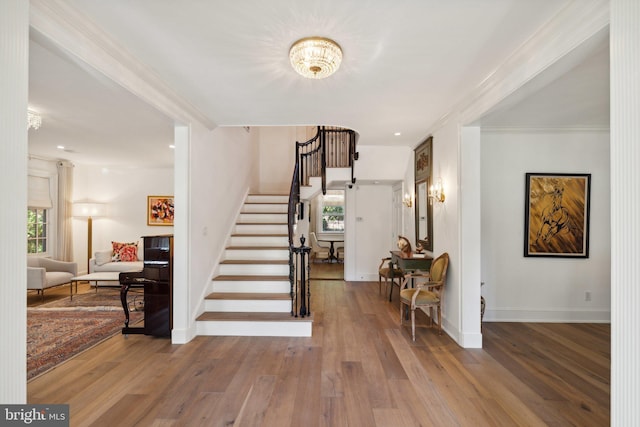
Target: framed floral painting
x,y
159,210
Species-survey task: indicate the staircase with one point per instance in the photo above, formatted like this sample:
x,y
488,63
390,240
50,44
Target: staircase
x,y
251,295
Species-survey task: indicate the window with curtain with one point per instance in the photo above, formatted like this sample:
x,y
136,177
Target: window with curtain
x,y
37,226
38,215
332,212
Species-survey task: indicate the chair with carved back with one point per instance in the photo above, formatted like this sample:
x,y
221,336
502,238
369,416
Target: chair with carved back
x,y
392,275
428,293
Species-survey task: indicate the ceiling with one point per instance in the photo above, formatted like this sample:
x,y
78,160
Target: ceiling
x,y
405,65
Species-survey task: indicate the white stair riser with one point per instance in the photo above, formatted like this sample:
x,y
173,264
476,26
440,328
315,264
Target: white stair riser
x,y
251,286
261,306
261,229
254,329
261,198
262,255
254,270
265,208
259,241
263,218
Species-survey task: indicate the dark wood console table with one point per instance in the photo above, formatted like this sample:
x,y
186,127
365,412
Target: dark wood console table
x,y
408,264
412,263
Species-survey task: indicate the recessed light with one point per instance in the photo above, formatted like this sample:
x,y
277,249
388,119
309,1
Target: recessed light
x,y
172,146
60,147
397,133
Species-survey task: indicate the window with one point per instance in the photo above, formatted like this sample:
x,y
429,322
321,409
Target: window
x,y
37,227
332,212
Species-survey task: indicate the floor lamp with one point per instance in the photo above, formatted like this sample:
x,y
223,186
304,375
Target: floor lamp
x,y
89,210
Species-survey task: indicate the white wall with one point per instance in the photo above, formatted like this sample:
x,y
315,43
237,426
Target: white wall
x,y
519,288
277,150
125,192
221,175
368,231
446,225
383,163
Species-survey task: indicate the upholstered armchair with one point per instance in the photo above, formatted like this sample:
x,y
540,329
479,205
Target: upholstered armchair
x,y
44,273
318,250
428,292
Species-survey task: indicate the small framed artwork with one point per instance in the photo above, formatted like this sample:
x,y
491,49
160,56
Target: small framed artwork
x,y
159,210
557,215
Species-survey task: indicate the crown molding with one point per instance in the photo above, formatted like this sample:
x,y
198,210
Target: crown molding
x,y
77,35
547,129
574,29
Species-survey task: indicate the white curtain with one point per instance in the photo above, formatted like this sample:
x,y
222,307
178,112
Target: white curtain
x,y
64,249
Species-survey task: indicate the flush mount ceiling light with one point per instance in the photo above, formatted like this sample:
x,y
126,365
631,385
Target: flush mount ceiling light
x,y
315,57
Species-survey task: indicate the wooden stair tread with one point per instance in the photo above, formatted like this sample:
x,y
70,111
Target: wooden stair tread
x,y
266,203
264,213
248,296
251,278
261,223
252,317
259,235
255,261
258,248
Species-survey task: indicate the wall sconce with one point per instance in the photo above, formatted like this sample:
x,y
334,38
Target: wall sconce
x,y
407,200
437,192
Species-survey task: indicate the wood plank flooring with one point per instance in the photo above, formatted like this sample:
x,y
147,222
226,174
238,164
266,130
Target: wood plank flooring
x,y
360,368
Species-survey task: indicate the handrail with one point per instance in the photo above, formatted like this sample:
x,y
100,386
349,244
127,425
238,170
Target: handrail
x,y
329,147
294,200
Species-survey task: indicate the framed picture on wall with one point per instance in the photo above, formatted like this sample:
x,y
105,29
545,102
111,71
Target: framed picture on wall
x,y
159,210
557,215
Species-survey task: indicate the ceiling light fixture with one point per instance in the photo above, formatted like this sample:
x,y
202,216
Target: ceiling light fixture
x,y
315,57
34,120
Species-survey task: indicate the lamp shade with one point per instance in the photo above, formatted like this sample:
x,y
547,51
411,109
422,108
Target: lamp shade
x,y
87,209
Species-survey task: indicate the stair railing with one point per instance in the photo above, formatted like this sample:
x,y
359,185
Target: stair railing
x,y
301,305
330,147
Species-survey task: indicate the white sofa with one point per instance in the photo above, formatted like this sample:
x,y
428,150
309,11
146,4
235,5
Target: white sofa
x,y
102,262
44,273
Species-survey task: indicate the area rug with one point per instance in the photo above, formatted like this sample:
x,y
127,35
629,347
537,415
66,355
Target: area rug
x,y
61,329
106,299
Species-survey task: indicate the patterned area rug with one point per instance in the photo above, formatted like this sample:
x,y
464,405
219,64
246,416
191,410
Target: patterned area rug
x,y
61,329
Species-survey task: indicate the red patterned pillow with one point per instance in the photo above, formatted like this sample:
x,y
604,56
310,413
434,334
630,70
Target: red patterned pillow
x,y
125,252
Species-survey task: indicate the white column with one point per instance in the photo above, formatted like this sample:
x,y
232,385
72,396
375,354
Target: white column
x,y
470,247
183,331
14,82
625,212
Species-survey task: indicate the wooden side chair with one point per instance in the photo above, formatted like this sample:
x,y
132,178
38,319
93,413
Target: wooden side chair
x,y
390,274
427,294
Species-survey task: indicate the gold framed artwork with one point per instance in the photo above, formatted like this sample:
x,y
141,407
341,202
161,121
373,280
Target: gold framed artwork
x,y
159,210
557,215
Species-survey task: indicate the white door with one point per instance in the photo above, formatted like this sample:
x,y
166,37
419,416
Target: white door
x,y
396,213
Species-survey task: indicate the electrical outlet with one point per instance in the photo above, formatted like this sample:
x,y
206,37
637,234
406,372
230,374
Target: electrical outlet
x,y
587,295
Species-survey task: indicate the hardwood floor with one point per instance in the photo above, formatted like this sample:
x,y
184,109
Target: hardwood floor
x,y
359,369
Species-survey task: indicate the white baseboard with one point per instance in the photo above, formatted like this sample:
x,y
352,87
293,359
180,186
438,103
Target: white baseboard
x,y
183,336
548,316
